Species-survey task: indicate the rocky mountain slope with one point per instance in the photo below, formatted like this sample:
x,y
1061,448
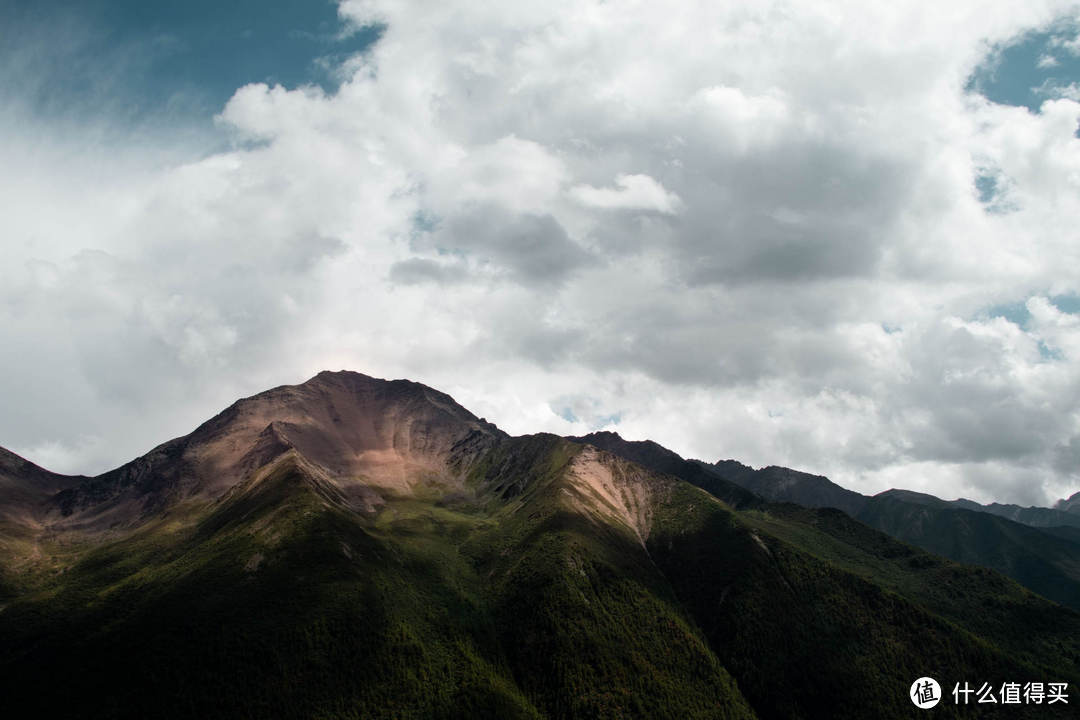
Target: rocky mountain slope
x,y
353,547
1044,559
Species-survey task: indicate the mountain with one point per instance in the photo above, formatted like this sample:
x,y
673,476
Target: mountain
x,y
25,490
781,484
1039,517
353,547
658,458
372,440
1070,504
24,487
1046,560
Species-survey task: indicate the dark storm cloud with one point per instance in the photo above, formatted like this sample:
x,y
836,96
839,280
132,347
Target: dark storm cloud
x,y
794,213
533,249
419,270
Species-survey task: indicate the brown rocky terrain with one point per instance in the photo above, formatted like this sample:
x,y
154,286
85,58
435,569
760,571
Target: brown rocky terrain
x,y
371,438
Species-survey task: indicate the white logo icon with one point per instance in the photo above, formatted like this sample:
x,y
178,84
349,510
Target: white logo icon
x,y
925,693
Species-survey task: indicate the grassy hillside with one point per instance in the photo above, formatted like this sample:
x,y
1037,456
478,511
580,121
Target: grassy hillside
x,y
826,633
1041,634
518,595
275,604
1044,559
278,603
1047,563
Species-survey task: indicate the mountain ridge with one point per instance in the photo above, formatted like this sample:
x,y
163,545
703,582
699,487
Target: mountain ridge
x,y
370,548
307,416
1046,562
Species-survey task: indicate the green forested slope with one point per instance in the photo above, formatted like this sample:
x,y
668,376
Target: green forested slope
x,y
523,593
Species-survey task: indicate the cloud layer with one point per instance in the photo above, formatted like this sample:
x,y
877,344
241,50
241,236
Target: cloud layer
x,y
749,231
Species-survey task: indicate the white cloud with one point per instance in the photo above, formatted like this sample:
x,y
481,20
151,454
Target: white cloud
x,y
631,192
1068,41
1054,90
760,239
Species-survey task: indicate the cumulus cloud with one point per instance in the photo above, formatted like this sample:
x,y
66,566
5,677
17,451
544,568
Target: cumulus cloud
x,y
762,239
631,192
1053,89
1047,61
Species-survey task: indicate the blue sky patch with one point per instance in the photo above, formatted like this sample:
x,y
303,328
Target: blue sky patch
x,y
1067,303
1016,313
987,187
134,58
567,414
606,420
1036,67
1048,353
990,187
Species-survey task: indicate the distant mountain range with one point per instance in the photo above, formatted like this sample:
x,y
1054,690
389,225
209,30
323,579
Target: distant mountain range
x,y
359,548
1038,547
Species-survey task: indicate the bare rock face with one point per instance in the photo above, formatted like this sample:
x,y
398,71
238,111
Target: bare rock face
x,y
659,459
25,489
371,438
385,434
614,489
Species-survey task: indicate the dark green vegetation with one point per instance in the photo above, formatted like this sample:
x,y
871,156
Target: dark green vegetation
x,y
1044,559
279,603
540,579
1040,517
843,616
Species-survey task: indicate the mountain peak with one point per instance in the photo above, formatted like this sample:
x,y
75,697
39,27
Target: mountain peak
x,y
912,496
15,469
781,484
351,379
603,434
10,462
1069,504
367,434
730,465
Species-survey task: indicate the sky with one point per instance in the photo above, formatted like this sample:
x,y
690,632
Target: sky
x,y
839,236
